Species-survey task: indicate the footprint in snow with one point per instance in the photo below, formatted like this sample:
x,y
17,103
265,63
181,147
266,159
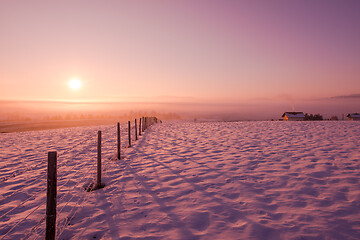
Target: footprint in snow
x,y
198,220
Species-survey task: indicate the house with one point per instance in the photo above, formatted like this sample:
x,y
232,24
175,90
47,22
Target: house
x,y
293,116
353,116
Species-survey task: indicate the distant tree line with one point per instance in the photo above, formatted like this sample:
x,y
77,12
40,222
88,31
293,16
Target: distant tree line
x,y
65,116
315,117
125,116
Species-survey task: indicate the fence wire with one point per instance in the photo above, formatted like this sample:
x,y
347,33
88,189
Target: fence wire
x,y
72,183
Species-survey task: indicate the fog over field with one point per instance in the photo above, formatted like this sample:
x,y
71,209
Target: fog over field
x,y
185,108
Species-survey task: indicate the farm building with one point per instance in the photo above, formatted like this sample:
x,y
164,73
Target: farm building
x,y
293,116
353,116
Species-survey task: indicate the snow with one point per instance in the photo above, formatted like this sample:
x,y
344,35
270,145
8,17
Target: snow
x,y
185,180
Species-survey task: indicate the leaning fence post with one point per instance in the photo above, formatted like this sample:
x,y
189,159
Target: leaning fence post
x,y
136,138
118,140
139,126
98,179
51,196
129,127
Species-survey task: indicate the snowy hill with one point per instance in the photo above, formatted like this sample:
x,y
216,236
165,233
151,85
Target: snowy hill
x,y
239,180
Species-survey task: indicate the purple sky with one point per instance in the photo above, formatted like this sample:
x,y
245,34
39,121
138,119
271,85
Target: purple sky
x,y
210,51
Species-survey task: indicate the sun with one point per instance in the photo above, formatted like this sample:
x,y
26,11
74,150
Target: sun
x,y
75,84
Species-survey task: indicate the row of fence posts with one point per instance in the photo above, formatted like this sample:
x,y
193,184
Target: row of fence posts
x,y
51,194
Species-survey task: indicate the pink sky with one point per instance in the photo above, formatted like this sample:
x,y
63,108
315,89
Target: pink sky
x,y
218,51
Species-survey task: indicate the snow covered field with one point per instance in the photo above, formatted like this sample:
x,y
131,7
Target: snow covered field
x,y
182,180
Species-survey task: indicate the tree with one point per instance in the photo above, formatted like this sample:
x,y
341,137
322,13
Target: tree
x,y
311,117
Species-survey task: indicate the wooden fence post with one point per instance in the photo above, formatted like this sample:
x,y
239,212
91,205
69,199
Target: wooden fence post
x,y
98,179
143,123
118,140
136,138
51,196
129,127
139,126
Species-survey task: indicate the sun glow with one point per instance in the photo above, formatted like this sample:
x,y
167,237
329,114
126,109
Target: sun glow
x,y
75,84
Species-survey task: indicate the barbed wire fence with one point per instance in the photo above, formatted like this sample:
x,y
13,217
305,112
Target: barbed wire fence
x,y
74,187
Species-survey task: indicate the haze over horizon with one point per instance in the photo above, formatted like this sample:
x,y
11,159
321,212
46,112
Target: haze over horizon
x,y
251,58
